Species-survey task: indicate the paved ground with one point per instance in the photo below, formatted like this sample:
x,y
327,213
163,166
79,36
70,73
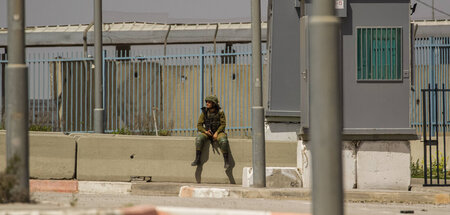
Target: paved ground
x,y
46,201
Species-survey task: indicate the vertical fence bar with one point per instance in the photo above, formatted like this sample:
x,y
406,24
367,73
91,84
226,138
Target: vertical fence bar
x,y
432,81
430,131
76,95
443,132
202,53
425,141
437,129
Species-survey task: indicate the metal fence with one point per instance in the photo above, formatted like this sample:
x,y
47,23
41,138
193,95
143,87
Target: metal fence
x,y
431,142
431,68
142,91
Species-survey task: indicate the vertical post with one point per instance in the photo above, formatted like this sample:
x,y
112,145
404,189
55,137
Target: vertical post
x,y
98,108
436,91
17,149
430,125
3,100
432,81
258,138
202,75
326,110
425,140
444,125
432,10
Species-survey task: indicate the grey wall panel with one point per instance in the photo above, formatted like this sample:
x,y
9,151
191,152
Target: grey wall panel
x,y
284,83
375,104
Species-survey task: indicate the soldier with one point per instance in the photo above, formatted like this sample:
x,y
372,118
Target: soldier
x,y
211,125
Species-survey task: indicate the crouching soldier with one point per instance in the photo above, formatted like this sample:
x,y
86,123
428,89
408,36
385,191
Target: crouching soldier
x,y
211,125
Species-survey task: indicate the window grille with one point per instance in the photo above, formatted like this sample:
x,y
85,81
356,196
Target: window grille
x,y
379,53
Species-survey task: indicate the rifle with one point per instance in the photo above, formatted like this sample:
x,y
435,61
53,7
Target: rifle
x,y
208,128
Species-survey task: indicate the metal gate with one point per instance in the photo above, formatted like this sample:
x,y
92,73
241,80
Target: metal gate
x,y
434,113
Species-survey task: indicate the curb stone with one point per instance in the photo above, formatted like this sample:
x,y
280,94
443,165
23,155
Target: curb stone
x,y
146,210
305,194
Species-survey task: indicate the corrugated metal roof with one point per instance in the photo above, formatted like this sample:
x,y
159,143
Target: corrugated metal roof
x,y
137,33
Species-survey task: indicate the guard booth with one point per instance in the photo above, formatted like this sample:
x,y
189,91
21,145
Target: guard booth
x,y
375,75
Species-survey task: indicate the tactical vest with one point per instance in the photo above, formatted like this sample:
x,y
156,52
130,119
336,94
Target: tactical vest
x,y
212,120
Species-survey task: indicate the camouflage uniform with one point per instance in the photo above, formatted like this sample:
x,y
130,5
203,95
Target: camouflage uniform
x,y
215,122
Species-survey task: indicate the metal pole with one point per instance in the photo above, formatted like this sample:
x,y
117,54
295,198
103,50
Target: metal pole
x,y
17,149
258,139
326,110
202,75
432,9
98,109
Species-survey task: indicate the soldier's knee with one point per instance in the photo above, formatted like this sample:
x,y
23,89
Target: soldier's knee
x,y
223,140
200,138
199,141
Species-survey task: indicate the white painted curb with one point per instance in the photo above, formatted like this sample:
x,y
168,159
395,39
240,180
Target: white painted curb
x,y
208,211
97,187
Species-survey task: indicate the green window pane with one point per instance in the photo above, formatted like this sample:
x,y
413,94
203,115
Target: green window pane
x,y
359,51
378,53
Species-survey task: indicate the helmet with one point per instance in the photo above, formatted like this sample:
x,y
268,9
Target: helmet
x,y
212,99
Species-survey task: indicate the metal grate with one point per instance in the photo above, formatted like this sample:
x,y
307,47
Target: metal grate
x,y
379,53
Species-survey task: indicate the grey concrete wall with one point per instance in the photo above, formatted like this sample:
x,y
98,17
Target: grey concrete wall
x,y
116,158
52,155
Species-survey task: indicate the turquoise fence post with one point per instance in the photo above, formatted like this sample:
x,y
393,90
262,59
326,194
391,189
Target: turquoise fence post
x,y
202,74
432,82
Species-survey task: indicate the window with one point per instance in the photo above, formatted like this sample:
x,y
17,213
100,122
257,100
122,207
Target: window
x,y
379,53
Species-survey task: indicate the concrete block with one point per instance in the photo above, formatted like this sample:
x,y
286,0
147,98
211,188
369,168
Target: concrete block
x,y
282,131
348,164
304,162
52,155
102,187
276,177
168,159
384,165
203,192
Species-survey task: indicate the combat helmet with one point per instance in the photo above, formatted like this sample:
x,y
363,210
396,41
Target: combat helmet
x,y
213,99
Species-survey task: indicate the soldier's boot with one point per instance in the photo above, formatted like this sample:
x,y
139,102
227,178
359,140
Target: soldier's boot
x,y
196,162
226,161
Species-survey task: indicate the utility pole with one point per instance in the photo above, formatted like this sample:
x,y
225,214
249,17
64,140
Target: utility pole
x,y
17,149
98,61
326,110
258,139
432,9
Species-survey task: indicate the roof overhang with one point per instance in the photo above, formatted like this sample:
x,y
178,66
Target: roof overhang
x,y
137,33
432,28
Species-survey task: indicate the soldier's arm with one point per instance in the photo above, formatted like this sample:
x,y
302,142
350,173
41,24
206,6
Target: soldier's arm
x,y
200,122
223,123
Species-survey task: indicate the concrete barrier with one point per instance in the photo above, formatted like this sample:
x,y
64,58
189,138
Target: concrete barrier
x,y
52,155
168,159
366,164
384,165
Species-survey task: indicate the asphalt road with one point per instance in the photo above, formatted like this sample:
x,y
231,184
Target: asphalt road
x,y
51,201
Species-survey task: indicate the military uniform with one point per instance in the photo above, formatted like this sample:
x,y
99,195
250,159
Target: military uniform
x,y
212,120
